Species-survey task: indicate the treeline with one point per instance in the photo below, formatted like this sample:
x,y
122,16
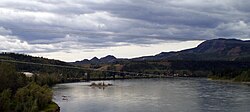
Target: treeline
x,y
21,94
226,69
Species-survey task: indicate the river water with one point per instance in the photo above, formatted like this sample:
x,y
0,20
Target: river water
x,y
154,95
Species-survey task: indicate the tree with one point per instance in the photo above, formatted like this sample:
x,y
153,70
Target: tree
x,y
5,100
33,97
10,79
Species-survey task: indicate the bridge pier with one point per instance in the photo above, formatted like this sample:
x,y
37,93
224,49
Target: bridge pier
x,y
123,75
114,76
87,76
105,75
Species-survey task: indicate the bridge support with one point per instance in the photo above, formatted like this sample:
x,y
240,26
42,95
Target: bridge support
x,y
87,76
105,75
114,76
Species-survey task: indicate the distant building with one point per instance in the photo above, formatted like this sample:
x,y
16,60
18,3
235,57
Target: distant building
x,y
28,74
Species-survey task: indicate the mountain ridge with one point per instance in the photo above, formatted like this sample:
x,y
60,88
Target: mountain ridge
x,y
216,50
95,60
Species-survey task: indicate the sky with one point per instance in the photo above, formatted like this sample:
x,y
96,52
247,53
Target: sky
x,y
71,30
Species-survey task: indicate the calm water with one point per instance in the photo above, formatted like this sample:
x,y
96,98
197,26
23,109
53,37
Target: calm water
x,y
155,95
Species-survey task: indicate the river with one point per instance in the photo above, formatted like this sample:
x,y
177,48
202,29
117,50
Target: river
x,y
154,95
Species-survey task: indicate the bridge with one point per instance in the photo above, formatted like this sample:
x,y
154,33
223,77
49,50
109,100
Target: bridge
x,y
108,74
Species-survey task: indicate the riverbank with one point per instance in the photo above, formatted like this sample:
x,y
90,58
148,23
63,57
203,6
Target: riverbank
x,y
229,81
52,107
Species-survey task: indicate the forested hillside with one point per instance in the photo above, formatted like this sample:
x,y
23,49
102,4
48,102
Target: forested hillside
x,y
28,58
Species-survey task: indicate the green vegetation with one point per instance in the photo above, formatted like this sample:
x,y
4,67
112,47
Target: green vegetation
x,y
21,94
220,70
47,79
52,107
32,98
235,76
31,94
10,79
225,69
47,71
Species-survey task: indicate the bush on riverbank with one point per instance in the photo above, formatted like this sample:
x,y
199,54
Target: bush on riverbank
x,y
32,97
243,77
52,107
18,94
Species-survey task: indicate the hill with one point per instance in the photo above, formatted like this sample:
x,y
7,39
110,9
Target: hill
x,y
28,58
95,60
218,57
216,49
209,50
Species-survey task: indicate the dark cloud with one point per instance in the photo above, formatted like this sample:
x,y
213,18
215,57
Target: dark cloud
x,y
52,25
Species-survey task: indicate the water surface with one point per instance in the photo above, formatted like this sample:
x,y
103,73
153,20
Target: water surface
x,y
154,95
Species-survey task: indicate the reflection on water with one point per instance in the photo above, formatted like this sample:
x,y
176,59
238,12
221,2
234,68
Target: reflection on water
x,y
154,95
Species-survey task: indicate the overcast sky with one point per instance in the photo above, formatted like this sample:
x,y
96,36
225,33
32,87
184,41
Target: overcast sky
x,y
72,30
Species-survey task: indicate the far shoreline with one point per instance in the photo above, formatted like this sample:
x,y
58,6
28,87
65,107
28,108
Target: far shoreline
x,y
229,81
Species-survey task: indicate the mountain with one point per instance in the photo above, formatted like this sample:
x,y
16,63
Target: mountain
x,y
85,61
216,49
209,50
95,60
108,59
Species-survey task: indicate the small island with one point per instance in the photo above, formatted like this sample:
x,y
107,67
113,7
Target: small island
x,y
100,84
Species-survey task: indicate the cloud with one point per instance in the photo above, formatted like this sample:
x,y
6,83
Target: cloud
x,y
11,43
4,31
52,25
235,29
